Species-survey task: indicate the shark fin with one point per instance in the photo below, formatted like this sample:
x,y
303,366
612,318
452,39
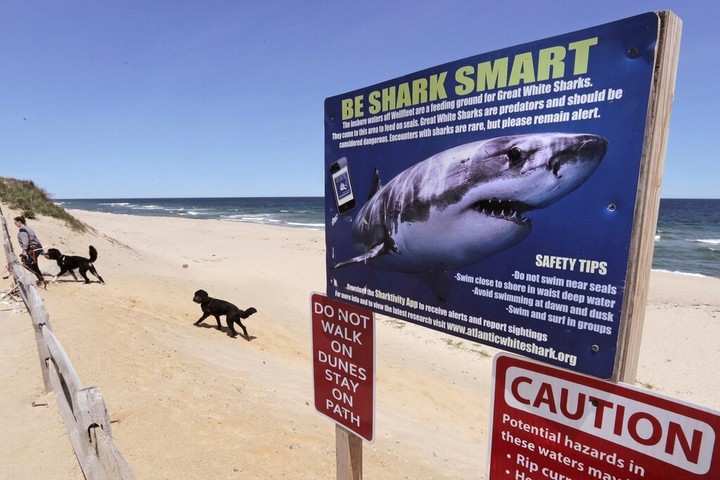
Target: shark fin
x,y
386,246
377,250
375,184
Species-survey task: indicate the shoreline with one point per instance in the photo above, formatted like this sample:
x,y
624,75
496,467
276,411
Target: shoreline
x,y
190,402
301,226
675,249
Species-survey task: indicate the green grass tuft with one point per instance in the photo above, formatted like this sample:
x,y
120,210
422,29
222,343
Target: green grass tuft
x,y
31,200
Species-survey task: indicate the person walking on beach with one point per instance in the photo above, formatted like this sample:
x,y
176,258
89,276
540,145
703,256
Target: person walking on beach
x,y
31,248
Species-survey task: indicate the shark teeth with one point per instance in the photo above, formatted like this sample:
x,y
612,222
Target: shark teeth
x,y
504,209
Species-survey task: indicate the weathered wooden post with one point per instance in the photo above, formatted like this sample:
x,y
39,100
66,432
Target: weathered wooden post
x,y
348,450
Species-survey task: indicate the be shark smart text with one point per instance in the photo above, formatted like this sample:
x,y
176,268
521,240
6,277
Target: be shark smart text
x,y
523,68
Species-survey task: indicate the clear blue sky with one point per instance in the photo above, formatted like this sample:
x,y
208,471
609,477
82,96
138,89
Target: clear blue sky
x,y
110,99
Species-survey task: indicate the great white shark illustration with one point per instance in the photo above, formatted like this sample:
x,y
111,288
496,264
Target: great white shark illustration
x,y
467,203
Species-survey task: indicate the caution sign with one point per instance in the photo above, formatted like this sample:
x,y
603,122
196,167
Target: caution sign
x,y
343,338
553,424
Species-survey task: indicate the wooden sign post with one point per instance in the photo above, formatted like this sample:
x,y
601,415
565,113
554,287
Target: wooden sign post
x,y
647,205
348,451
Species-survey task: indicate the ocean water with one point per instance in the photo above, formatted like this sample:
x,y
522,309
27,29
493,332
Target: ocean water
x,y
303,212
687,239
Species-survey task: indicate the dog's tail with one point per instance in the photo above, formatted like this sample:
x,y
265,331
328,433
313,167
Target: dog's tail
x,y
93,254
247,312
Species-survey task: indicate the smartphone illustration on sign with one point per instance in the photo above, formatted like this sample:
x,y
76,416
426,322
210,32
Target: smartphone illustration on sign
x,y
344,197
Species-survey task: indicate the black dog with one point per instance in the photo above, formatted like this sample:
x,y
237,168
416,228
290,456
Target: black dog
x,y
217,308
68,263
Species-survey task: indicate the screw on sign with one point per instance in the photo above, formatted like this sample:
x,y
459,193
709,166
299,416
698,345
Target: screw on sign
x,y
344,364
551,423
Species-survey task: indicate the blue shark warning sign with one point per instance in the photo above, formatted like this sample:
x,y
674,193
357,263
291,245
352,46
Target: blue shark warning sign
x,y
492,197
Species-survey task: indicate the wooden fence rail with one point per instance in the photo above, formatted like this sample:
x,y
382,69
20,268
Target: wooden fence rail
x,y
82,409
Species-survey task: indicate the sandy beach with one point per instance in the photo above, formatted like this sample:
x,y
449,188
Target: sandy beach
x,y
192,403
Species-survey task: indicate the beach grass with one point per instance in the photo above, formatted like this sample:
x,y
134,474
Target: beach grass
x,y
32,200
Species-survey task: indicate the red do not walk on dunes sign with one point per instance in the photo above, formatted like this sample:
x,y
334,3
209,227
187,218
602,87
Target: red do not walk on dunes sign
x,y
343,338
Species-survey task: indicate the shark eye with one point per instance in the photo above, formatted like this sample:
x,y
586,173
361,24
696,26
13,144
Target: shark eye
x,y
515,156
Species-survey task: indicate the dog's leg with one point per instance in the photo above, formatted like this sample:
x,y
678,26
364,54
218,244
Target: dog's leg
x,y
205,315
94,272
236,319
245,333
217,317
61,272
73,275
83,272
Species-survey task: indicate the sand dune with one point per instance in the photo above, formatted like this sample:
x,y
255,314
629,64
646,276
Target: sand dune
x,y
190,402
